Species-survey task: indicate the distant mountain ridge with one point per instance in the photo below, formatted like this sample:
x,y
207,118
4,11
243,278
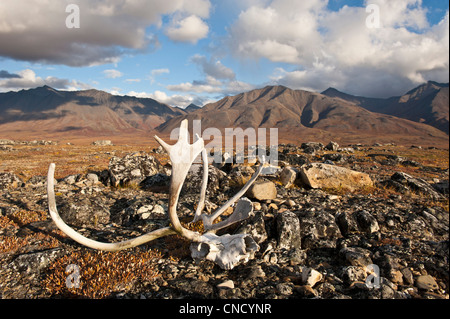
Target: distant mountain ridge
x,y
420,115
89,110
427,103
284,108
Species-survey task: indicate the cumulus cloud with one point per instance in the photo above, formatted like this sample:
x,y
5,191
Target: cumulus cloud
x,y
28,79
326,48
189,29
35,30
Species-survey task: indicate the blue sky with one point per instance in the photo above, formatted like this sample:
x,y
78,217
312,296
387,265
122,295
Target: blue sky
x,y
197,51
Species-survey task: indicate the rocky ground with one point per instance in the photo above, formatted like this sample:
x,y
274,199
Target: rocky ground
x,y
374,226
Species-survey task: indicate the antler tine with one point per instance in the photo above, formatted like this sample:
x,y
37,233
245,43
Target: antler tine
x,y
201,203
209,219
89,242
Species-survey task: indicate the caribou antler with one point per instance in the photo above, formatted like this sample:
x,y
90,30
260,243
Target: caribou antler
x,y
228,250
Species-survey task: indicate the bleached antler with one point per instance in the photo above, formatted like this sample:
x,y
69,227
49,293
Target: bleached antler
x,y
228,251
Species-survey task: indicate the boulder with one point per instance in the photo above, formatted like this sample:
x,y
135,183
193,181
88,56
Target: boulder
x,y
426,282
403,182
132,169
262,191
318,175
367,223
288,176
318,230
288,231
311,147
84,212
332,146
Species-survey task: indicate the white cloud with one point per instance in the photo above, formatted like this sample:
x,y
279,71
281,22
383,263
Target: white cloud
x,y
189,29
35,30
28,79
218,79
337,49
112,74
173,100
213,68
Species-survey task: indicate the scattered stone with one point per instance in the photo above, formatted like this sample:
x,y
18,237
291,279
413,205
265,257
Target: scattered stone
x,y
288,176
356,256
288,229
426,282
9,180
318,175
312,243
367,223
262,191
306,291
103,143
7,142
403,183
228,284
311,276
332,146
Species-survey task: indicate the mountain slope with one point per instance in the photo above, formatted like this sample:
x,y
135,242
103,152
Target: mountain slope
x,y
427,103
297,110
51,110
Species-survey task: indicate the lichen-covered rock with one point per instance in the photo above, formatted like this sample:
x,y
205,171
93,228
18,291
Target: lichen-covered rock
x,y
132,169
9,180
288,230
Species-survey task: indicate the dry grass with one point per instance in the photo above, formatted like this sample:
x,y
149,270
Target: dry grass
x,y
100,274
18,219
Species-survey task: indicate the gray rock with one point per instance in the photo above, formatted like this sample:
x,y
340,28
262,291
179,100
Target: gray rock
x,y
288,230
9,180
84,212
356,256
255,227
294,159
318,229
103,143
194,180
367,223
347,223
133,169
288,176
36,261
332,146
417,185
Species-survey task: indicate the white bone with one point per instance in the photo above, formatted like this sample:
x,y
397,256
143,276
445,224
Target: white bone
x,y
226,251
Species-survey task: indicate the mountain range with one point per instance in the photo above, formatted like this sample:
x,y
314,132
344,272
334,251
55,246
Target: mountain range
x,y
421,115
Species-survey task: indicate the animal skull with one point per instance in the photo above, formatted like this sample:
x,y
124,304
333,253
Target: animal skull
x,y
227,250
